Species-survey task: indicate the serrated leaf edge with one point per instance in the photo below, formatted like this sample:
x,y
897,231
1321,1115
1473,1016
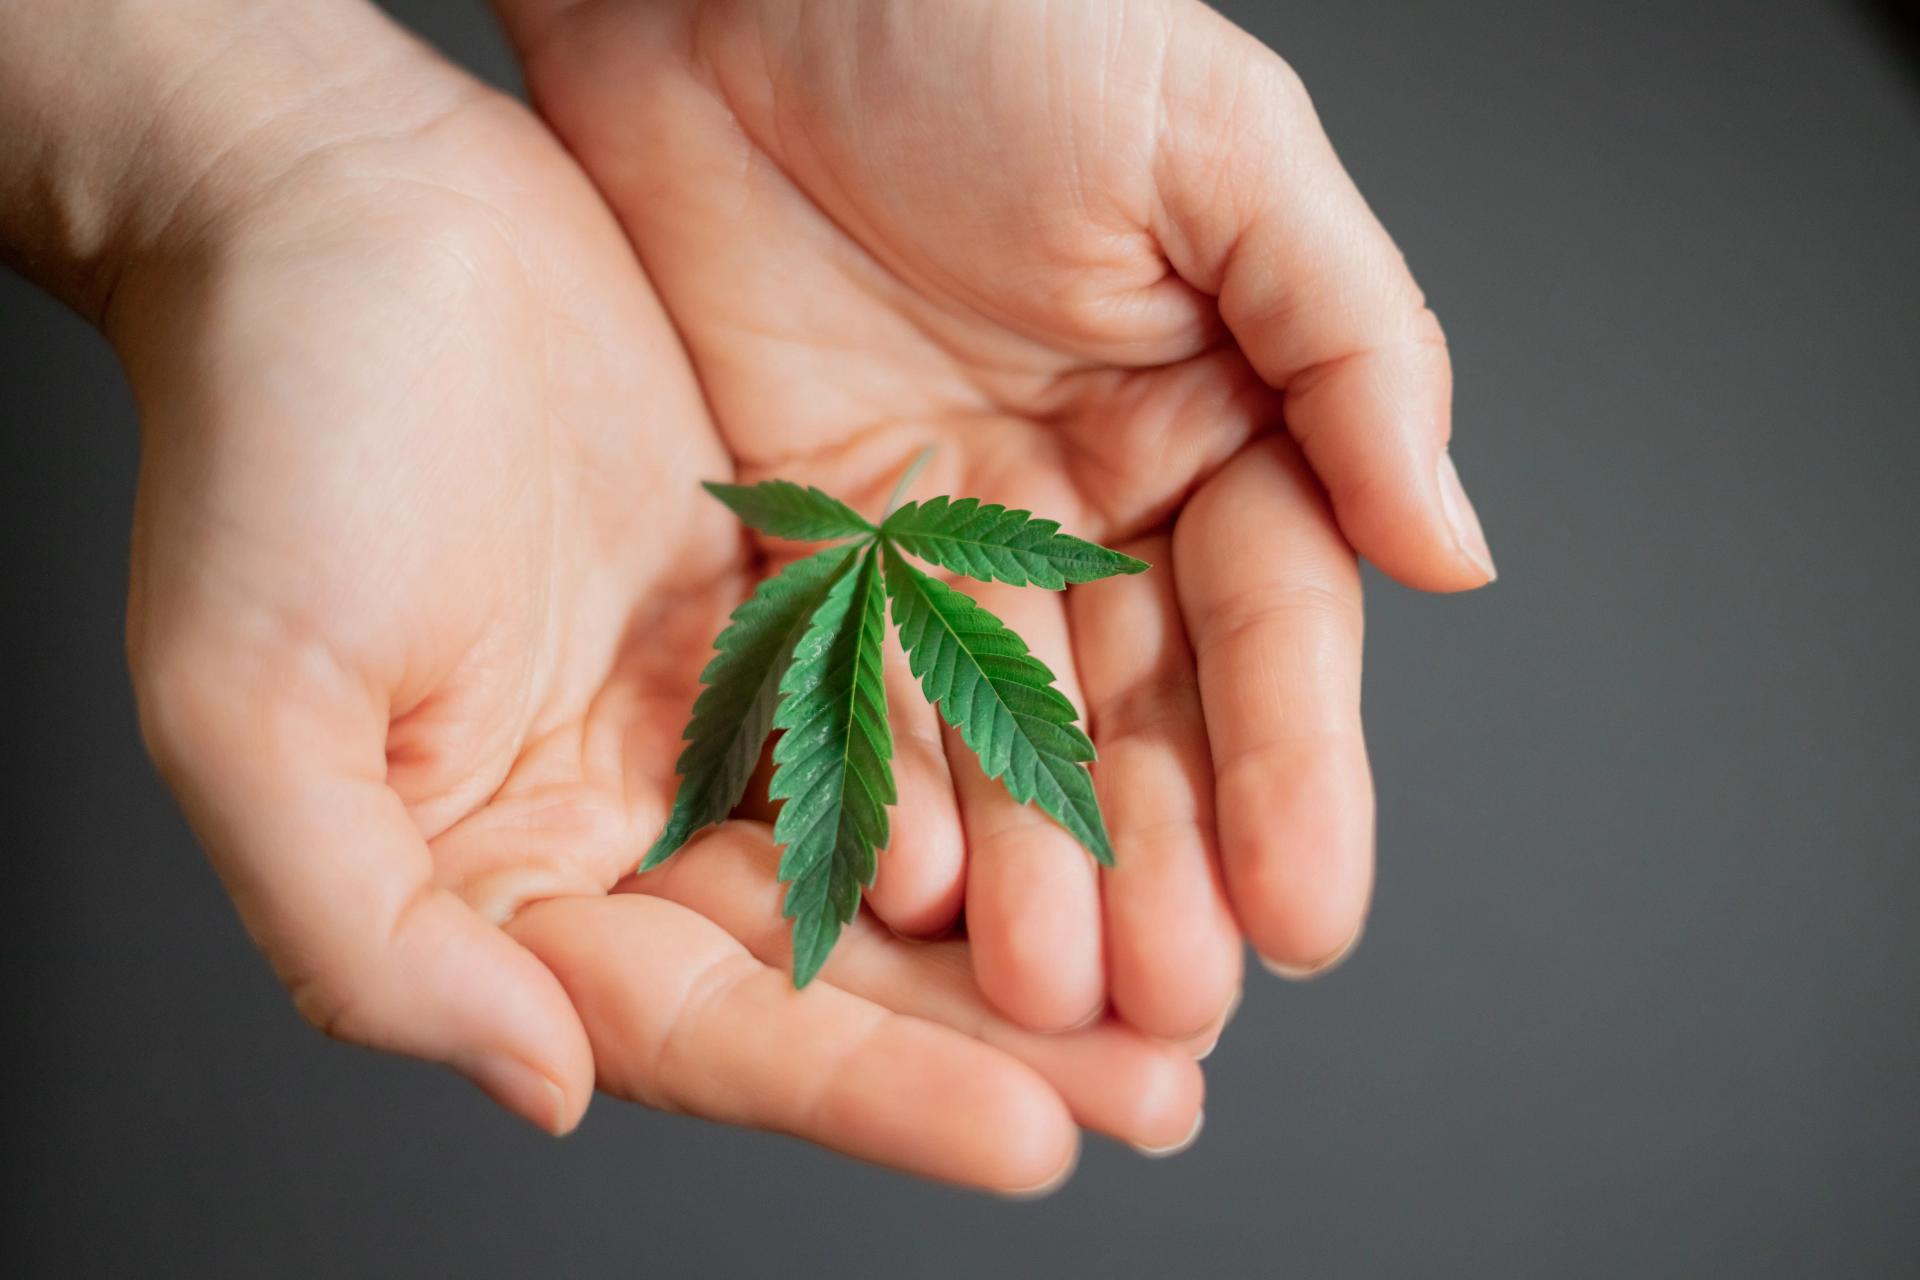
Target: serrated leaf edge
x,y
994,756
678,830
816,932
1073,560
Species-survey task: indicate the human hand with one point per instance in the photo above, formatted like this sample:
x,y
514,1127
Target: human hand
x,y
422,578
1098,253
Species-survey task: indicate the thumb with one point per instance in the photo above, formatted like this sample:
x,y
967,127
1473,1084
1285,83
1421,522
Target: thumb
x,y
284,783
1256,209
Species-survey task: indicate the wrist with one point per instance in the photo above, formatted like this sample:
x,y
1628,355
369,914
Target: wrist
x,y
130,128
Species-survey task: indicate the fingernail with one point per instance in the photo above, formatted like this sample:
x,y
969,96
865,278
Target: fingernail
x,y
1226,1017
1302,972
1193,1135
519,1088
1043,1189
1467,533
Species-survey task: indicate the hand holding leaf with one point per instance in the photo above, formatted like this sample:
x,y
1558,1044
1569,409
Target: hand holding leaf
x,y
803,656
1056,294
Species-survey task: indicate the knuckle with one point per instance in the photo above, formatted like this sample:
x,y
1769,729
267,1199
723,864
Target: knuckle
x,y
673,1079
1301,608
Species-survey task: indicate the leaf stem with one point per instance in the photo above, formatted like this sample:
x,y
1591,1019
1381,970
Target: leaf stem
x,y
906,479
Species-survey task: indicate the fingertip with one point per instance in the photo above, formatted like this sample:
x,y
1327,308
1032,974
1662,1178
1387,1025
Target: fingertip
x,y
1034,922
1470,539
920,881
1174,952
1175,1148
525,1091
1418,527
1048,1185
1049,1008
540,1064
1203,1045
1168,1102
1310,940
572,1112
1041,1143
1374,428
1298,849
572,1085
1180,990
446,986
919,899
1041,975
1410,545
1319,968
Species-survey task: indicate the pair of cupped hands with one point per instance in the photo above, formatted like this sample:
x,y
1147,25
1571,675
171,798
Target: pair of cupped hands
x,y
423,577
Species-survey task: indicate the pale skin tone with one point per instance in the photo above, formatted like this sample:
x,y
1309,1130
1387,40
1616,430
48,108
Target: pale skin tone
x,y
422,576
1103,258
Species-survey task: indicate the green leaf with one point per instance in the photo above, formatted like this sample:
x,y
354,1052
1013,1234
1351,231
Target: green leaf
x,y
734,714
1000,697
831,764
989,542
785,510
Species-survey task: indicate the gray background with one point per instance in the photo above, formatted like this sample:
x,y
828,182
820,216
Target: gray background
x,y
1639,993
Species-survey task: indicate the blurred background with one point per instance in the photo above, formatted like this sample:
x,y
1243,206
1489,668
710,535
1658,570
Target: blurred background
x,y
1641,991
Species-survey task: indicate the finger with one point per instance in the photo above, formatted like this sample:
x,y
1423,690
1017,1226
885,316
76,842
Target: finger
x,y
1173,948
1114,1081
1271,596
1033,894
528,23
683,1018
921,877
283,781
1201,1046
1255,207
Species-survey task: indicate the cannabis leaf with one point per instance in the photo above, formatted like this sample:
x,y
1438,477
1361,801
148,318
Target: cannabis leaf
x,y
785,510
734,713
803,655
988,542
1000,697
831,764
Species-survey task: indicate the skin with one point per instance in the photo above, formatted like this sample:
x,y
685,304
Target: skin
x,y
422,578
1104,259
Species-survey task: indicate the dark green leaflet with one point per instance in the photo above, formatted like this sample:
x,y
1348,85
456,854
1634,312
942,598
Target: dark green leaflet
x,y
786,510
991,543
734,713
803,656
831,764
1000,697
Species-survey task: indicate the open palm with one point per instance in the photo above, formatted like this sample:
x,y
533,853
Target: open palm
x,y
1098,255
422,581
